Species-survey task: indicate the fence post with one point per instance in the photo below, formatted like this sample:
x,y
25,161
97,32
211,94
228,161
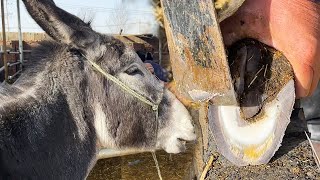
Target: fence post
x,y
4,43
197,52
20,35
199,62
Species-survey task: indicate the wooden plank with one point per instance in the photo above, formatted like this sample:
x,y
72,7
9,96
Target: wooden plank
x,y
124,39
137,40
197,52
202,138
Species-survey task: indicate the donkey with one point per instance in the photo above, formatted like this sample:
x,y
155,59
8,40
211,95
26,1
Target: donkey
x,y
62,110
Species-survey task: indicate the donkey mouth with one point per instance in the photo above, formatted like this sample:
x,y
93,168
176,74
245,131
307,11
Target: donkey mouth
x,y
178,128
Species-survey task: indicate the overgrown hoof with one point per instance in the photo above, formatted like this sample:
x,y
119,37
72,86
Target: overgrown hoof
x,y
252,132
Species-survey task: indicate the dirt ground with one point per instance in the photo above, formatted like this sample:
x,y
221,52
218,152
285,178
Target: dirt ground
x,y
293,160
142,166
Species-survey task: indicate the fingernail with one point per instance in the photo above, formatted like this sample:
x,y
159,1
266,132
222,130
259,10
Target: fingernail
x,y
303,86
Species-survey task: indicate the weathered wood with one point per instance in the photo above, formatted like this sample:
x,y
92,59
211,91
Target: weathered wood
x,y
197,52
199,62
202,138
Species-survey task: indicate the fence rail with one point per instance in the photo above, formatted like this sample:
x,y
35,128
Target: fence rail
x,y
16,52
13,64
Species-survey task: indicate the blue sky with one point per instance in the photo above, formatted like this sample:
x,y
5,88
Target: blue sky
x,y
134,16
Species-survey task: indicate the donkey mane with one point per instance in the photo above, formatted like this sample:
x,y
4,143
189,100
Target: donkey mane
x,y
36,70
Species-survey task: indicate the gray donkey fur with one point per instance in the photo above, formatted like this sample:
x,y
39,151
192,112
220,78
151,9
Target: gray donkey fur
x,y
61,112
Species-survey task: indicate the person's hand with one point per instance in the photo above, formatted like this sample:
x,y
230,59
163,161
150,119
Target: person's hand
x,y
149,67
290,26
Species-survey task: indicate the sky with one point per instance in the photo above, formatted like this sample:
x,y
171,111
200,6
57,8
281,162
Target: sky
x,y
109,16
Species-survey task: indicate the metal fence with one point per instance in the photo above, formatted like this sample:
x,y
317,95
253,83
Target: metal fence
x,y
6,69
4,52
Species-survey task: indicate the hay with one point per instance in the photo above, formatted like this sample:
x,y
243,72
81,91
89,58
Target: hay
x,y
142,166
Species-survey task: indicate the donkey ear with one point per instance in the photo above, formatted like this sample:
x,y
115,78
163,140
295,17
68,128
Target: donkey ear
x,y
61,25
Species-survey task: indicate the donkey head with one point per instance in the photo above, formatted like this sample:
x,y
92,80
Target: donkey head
x,y
120,120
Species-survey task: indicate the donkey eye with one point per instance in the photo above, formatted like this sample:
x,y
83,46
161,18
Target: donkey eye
x,y
134,70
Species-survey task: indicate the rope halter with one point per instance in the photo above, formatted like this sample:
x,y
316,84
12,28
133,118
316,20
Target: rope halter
x,y
126,88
